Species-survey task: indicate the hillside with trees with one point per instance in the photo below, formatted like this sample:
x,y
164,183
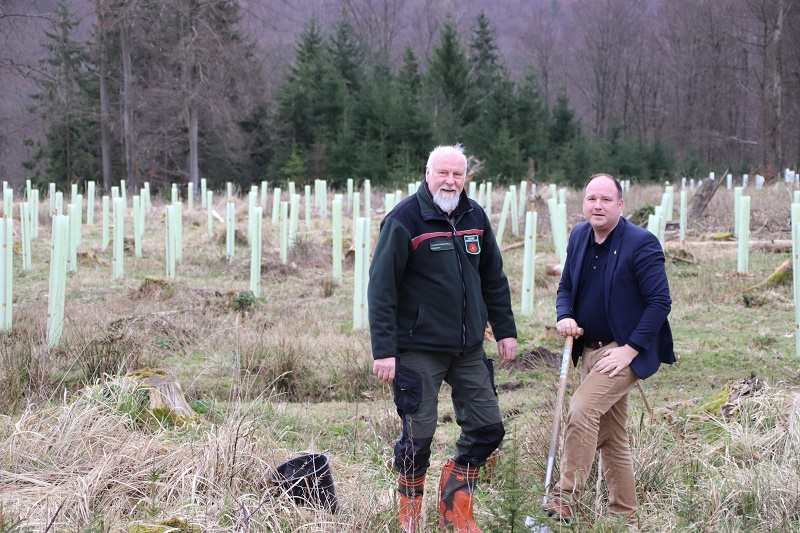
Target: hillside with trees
x,y
169,91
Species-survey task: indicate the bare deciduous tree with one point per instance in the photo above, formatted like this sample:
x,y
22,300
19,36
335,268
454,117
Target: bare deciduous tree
x,y
127,93
609,34
102,32
379,23
542,40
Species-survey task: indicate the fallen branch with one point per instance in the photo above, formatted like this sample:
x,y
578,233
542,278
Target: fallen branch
x,y
782,275
519,244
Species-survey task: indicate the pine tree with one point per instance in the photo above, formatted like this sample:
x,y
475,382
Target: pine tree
x,y
71,149
487,106
260,148
485,71
374,107
298,98
571,153
343,80
562,127
346,54
411,127
530,121
503,157
448,75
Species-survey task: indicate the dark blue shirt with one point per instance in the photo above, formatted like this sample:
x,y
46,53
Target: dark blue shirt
x,y
590,304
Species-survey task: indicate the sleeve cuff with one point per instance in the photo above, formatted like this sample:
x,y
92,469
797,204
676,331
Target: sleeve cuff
x,y
635,346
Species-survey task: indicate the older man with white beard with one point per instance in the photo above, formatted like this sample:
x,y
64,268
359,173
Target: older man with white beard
x,y
436,278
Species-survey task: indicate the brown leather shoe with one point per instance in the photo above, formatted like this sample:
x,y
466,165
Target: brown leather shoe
x,y
560,509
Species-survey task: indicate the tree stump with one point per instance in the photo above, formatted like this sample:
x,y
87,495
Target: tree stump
x,y
165,395
703,196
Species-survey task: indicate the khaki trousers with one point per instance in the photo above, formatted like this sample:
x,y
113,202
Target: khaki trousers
x,y
597,421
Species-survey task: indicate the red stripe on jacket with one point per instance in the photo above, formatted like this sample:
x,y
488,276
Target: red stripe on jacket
x,y
417,241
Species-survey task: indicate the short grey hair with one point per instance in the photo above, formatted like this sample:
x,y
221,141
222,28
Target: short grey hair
x,y
456,149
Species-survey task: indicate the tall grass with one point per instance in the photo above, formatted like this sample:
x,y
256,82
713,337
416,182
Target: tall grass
x,y
284,374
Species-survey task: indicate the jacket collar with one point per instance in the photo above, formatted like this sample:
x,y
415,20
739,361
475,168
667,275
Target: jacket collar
x,y
613,256
613,252
616,235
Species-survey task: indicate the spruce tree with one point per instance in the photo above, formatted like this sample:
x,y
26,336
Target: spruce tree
x,y
298,98
529,122
347,54
410,123
570,153
486,72
70,151
372,118
481,111
343,80
562,127
448,76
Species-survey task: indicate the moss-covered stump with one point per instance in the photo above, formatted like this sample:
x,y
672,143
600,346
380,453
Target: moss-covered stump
x,y
153,286
781,276
165,394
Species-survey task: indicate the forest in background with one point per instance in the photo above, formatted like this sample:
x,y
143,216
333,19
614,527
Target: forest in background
x,y
174,90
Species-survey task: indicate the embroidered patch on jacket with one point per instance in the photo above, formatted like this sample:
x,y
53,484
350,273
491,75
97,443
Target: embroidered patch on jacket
x,y
438,246
473,244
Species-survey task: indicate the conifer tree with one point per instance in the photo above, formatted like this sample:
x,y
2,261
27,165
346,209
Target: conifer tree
x,y
486,72
412,127
343,80
65,101
347,54
298,99
489,93
448,75
530,122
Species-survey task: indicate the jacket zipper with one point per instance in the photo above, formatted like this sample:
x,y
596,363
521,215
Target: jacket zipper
x,y
463,286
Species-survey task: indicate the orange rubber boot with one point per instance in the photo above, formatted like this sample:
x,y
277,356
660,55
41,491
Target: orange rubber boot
x,y
410,490
455,497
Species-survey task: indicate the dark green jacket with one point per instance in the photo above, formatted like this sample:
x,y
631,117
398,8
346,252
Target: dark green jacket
x,y
434,282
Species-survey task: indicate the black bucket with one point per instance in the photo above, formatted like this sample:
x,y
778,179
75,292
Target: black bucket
x,y
308,480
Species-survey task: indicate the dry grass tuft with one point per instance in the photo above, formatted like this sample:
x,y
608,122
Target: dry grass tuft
x,y
284,374
94,453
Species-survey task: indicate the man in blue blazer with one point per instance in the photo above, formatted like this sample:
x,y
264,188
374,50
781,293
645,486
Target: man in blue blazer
x,y
614,286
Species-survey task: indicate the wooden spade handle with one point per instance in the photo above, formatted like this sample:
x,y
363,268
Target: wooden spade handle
x,y
562,391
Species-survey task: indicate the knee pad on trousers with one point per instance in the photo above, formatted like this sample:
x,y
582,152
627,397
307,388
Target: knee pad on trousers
x,y
487,439
412,456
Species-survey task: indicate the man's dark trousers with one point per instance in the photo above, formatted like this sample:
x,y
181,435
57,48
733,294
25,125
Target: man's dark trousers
x,y
418,379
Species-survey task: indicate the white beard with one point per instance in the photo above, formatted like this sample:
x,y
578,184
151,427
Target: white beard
x,y
446,200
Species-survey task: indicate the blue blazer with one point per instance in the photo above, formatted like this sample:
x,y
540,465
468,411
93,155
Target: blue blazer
x,y
636,294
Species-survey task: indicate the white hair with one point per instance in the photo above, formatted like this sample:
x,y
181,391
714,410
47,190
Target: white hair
x,y
456,149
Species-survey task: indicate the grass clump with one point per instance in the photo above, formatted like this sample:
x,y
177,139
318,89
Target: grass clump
x,y
243,300
279,376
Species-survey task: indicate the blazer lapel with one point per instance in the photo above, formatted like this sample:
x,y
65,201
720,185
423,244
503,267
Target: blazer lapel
x,y
577,264
613,257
